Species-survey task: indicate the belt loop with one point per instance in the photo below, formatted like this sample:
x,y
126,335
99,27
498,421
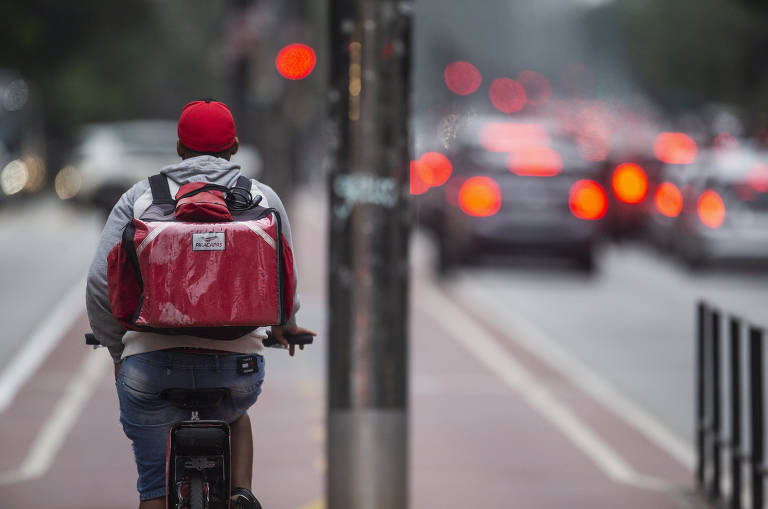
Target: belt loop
x,y
218,366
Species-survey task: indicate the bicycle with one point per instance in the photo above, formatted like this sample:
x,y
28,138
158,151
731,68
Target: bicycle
x,y
198,451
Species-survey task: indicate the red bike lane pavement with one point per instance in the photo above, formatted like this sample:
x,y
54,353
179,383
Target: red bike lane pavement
x,y
480,436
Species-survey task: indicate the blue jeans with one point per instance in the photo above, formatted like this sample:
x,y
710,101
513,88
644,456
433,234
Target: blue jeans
x,y
147,419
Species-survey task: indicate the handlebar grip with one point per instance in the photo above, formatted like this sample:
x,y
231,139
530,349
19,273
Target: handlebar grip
x,y
294,339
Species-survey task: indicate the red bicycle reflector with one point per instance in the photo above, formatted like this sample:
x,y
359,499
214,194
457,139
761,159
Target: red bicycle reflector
x,y
507,95
295,61
434,168
462,78
711,209
629,182
668,200
418,186
675,148
588,200
480,197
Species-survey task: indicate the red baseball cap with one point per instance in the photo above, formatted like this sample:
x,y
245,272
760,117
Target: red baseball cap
x,y
206,126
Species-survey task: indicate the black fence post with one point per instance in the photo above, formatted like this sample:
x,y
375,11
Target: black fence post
x,y
735,358
715,439
701,313
756,396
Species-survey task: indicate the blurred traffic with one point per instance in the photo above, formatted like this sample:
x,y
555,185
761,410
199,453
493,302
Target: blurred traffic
x,y
581,172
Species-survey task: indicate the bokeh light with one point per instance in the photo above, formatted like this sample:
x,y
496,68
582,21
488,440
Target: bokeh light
x,y
14,177
535,161
630,183
507,95
668,200
462,78
509,136
434,168
537,87
296,61
588,200
711,209
480,197
418,186
675,148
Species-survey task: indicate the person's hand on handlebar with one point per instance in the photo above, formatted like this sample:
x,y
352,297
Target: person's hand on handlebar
x,y
280,331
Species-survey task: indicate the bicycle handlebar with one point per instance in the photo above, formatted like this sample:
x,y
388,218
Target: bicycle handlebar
x,y
271,341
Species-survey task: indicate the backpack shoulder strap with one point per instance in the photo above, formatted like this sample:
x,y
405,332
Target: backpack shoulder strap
x,y
244,182
161,192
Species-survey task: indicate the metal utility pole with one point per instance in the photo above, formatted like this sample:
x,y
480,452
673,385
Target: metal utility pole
x,y
368,279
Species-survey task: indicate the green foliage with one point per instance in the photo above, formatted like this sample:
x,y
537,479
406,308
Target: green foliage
x,y
687,53
94,60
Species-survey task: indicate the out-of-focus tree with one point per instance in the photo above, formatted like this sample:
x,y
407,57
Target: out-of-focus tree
x,y
91,60
689,53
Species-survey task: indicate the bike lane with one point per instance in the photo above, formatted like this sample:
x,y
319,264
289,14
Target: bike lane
x,y
491,424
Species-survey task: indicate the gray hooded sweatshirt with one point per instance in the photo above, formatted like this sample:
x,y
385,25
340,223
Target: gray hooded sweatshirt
x,y
134,203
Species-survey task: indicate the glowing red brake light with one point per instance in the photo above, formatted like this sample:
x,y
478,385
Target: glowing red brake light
x,y
434,168
295,61
630,184
588,200
675,148
541,161
480,197
711,209
418,186
669,200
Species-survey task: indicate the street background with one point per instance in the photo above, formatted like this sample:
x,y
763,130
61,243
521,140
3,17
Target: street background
x,y
551,346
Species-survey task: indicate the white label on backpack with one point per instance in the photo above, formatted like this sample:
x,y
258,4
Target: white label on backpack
x,y
213,241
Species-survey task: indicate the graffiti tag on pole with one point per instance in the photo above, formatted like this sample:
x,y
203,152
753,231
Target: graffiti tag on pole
x,y
363,190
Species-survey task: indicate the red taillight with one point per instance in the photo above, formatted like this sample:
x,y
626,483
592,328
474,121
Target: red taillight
x,y
535,161
711,209
588,200
669,200
480,197
434,168
675,148
630,184
418,186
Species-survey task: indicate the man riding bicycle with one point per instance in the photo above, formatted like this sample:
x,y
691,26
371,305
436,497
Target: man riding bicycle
x,y
146,363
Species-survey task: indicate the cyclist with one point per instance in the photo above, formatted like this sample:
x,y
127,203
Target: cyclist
x,y
146,362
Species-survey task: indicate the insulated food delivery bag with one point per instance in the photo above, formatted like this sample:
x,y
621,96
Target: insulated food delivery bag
x,y
210,279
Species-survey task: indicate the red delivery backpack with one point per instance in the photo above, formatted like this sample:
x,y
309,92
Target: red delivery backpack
x,y
210,263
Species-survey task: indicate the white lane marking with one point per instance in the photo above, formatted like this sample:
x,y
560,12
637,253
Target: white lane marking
x,y
42,341
540,345
61,420
471,335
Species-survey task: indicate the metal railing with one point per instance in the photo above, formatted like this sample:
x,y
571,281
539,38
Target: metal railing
x,y
729,350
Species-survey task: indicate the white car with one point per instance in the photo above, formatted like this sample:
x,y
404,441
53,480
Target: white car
x,y
111,157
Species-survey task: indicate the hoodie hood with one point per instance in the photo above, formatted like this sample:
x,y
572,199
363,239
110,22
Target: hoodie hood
x,y
203,169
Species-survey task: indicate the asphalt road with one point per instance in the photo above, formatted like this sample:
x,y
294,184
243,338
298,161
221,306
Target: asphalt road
x,y
536,384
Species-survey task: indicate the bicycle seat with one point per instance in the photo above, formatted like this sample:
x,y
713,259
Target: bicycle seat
x,y
195,399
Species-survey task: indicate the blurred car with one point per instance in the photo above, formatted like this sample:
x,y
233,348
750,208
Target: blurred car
x,y
723,215
517,190
110,157
661,228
